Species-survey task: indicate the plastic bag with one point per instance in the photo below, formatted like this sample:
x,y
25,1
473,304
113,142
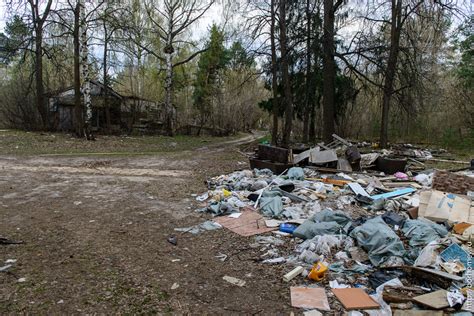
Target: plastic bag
x,y
424,179
429,256
308,257
296,173
385,309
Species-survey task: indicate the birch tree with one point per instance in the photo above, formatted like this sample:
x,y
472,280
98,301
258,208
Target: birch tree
x,y
170,20
85,82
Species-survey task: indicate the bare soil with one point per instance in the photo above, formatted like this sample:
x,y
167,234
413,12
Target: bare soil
x,y
95,234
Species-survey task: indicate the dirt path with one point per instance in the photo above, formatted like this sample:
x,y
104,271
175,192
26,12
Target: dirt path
x,y
95,232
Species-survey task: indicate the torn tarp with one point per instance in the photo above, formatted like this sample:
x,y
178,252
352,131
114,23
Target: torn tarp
x,y
220,208
270,203
326,222
207,225
296,173
379,240
422,231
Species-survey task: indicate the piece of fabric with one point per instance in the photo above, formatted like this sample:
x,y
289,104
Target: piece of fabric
x,y
379,240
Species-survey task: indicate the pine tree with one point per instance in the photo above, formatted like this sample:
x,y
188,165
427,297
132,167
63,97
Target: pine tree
x,y
208,77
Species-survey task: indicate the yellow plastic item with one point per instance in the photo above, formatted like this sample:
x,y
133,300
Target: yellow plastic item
x,y
226,193
318,271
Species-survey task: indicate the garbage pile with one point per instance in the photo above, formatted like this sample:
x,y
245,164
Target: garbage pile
x,y
366,241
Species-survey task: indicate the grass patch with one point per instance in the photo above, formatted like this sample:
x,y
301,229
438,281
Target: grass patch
x,y
14,142
265,139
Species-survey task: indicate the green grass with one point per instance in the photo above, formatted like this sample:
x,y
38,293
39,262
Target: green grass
x,y
14,142
265,139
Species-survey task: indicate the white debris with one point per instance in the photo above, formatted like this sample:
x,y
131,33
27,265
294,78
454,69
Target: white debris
x,y
233,280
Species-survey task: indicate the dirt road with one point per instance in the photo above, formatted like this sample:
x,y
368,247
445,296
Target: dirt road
x,y
95,238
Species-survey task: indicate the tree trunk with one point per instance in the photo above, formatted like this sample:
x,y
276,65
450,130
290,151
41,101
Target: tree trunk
x,y
85,73
309,93
285,77
274,75
312,126
169,50
395,29
42,109
78,118
106,80
169,95
329,71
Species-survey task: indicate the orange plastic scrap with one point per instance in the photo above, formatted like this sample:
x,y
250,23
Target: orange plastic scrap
x,y
339,183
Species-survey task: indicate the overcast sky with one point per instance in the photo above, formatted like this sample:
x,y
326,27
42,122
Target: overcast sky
x,y
2,14
214,15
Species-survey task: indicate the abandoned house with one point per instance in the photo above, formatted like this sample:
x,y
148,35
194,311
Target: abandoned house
x,y
111,111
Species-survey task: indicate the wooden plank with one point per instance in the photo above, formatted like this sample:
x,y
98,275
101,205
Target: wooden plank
x,y
415,312
403,294
342,140
434,300
451,161
402,184
440,278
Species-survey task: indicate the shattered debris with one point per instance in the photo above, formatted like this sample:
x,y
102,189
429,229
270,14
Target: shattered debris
x,y
388,234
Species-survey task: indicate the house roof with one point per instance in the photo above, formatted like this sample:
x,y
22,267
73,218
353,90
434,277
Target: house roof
x,y
98,91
